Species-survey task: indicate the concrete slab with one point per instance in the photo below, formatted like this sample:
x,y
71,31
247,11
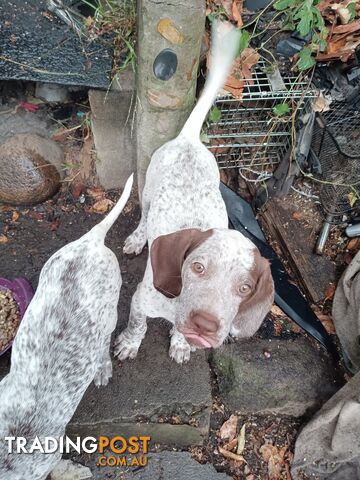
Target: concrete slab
x,y
161,466
289,377
151,395
111,125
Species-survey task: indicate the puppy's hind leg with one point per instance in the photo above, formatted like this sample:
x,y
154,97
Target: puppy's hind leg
x,y
128,342
104,372
137,240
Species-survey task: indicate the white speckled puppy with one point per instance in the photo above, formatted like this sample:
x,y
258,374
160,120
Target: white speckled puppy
x,y
207,280
61,346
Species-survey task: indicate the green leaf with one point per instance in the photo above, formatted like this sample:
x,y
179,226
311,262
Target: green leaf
x,y
352,9
244,41
281,109
304,26
306,60
204,137
284,4
214,115
353,198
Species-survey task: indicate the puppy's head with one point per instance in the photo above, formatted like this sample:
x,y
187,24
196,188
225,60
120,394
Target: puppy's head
x,y
222,284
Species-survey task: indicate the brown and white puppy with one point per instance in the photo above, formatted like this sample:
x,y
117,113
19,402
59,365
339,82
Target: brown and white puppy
x,y
207,280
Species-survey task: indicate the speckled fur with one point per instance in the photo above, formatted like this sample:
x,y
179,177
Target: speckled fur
x,y
61,346
181,192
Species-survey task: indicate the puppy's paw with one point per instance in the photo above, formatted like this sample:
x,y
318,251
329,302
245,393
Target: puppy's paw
x,y
103,374
125,347
180,351
134,244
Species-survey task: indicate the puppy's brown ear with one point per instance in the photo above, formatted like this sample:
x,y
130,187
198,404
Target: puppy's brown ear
x,y
167,255
254,309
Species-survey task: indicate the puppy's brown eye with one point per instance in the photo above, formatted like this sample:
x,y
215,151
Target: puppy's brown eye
x,y
198,267
245,288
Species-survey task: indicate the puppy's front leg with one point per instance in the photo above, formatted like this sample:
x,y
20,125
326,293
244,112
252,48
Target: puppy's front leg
x,y
179,348
128,342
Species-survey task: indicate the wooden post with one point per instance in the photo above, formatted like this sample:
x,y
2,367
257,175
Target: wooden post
x,y
163,105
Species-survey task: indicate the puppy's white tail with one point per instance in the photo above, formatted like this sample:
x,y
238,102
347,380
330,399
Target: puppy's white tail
x,y
110,219
225,45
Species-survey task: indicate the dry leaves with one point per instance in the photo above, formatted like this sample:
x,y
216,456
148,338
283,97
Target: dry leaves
x,y
330,291
298,216
228,429
326,320
233,10
274,456
15,216
241,440
102,204
354,244
231,455
344,32
3,238
241,72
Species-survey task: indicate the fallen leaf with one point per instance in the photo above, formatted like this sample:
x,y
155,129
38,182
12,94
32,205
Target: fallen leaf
x,y
96,193
169,31
241,72
231,445
326,320
54,226
298,216
231,455
351,27
76,189
241,440
228,429
236,11
354,244
15,216
102,206
274,456
330,291
3,239
227,6
321,104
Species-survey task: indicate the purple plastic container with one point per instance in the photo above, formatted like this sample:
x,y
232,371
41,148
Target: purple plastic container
x,y
22,292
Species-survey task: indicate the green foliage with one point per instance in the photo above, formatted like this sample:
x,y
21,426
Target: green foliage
x,y
117,17
306,59
215,115
281,109
303,17
244,41
352,9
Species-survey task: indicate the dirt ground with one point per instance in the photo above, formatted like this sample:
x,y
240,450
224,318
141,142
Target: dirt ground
x,y
35,233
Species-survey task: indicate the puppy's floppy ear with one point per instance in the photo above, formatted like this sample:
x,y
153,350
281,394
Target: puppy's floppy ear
x,y
167,255
254,309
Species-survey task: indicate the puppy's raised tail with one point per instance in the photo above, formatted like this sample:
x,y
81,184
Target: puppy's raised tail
x,y
225,46
105,225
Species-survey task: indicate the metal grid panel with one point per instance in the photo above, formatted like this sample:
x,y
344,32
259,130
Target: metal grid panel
x,y
333,137
248,134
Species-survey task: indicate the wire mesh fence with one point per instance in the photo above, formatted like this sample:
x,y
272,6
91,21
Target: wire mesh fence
x,y
249,135
336,146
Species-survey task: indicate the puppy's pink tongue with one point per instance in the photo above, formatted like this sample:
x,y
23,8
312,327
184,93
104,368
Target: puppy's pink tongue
x,y
198,341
